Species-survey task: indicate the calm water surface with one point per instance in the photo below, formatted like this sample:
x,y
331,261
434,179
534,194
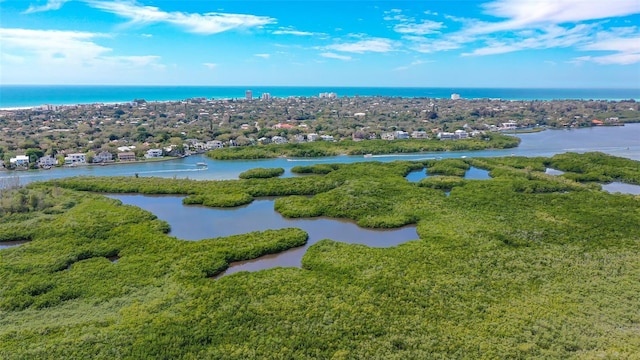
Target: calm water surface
x,y
618,187
473,173
8,244
198,222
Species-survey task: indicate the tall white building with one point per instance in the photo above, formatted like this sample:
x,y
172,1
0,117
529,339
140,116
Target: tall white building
x,y
248,95
455,96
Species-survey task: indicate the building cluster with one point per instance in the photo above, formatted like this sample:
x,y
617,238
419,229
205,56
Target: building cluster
x,y
139,129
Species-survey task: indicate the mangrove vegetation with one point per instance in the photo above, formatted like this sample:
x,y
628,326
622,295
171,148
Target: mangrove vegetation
x,y
522,265
374,147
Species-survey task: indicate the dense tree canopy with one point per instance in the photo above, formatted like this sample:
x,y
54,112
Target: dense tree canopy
x,y
523,265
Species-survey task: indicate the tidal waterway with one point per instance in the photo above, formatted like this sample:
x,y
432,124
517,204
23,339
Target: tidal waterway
x,y
623,141
198,222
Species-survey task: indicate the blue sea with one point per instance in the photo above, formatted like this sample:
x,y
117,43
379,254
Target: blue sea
x,y
22,96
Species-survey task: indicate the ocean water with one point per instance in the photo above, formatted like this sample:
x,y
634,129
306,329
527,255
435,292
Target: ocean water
x,y
21,96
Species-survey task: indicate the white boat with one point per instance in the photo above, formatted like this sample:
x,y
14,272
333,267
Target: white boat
x,y
201,164
368,155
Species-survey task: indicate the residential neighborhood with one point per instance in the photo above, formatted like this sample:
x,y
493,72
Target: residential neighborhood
x,y
77,135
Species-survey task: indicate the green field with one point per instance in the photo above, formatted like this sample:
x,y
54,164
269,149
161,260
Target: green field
x,y
524,265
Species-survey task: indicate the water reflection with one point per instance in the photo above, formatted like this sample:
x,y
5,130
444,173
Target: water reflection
x,y
554,172
619,187
416,176
477,174
473,173
197,222
8,244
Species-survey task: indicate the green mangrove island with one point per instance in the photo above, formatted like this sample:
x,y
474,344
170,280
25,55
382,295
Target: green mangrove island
x,y
522,265
373,147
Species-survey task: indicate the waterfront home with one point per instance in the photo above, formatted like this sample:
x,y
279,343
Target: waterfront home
x,y
75,159
153,153
47,161
446,136
127,156
278,140
102,157
327,137
388,136
461,134
20,160
312,137
510,125
402,134
213,144
419,135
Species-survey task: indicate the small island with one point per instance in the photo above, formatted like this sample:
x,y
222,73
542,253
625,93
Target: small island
x,y
367,148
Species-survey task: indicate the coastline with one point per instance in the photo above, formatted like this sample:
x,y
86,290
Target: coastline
x,y
17,97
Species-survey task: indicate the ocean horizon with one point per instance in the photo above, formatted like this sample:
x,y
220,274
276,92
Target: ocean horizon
x,y
26,96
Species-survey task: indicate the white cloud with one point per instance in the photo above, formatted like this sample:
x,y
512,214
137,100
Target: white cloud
x,y
210,66
50,5
206,24
290,31
627,50
413,63
423,45
58,53
533,24
264,56
331,55
423,28
528,14
523,13
53,44
379,45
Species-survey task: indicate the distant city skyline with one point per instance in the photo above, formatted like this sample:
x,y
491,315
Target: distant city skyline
x,y
498,43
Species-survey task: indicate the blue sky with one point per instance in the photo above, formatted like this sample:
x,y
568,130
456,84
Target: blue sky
x,y
499,43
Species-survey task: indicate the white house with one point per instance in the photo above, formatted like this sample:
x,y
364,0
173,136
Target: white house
x,y
461,134
446,136
326,137
278,140
153,153
20,160
103,156
402,134
47,161
312,137
511,125
214,144
75,159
